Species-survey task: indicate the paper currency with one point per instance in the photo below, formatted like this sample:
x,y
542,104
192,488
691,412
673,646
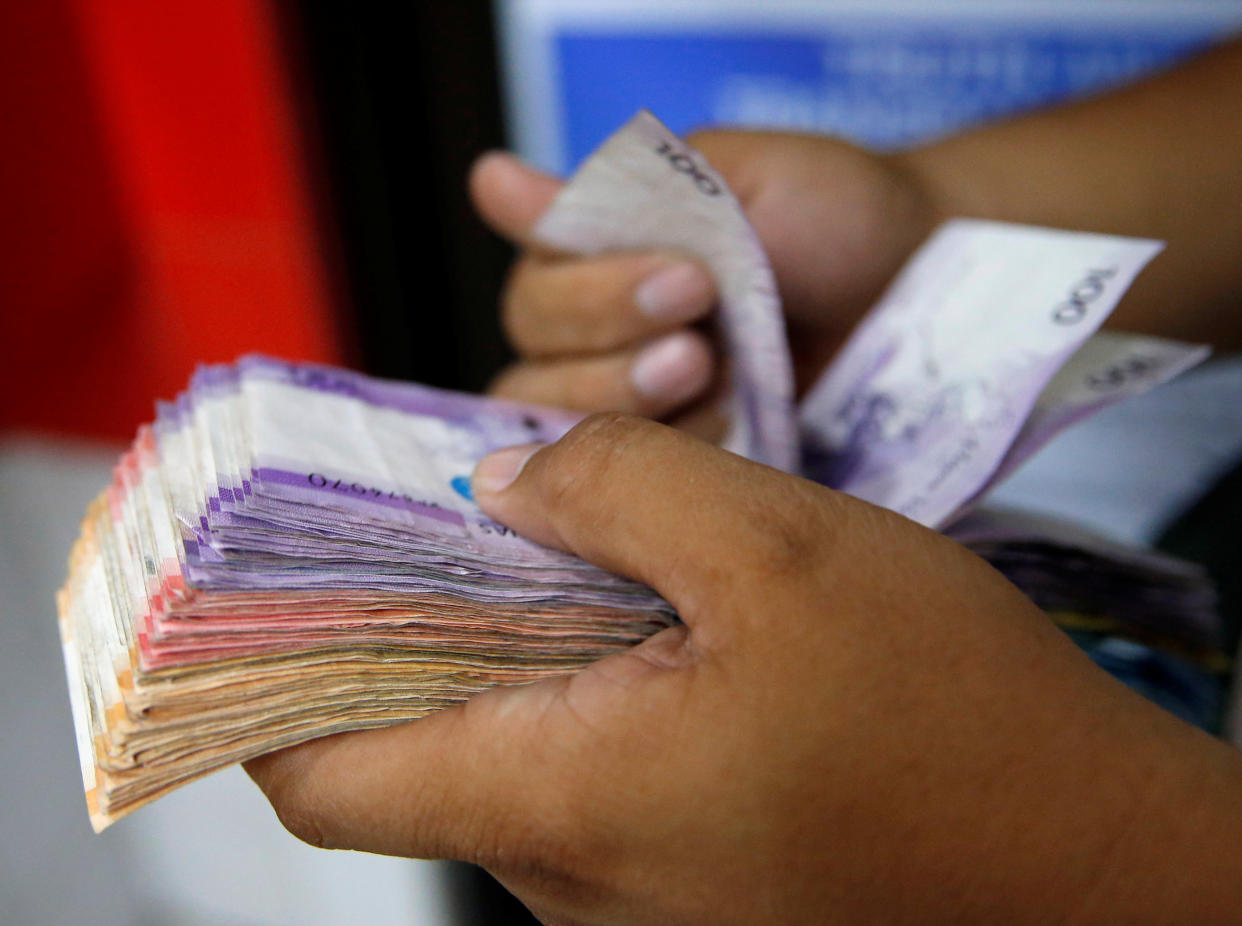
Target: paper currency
x,y
1108,368
646,188
292,550
926,398
1149,619
1067,569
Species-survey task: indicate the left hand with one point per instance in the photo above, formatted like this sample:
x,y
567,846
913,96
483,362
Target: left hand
x,y
621,331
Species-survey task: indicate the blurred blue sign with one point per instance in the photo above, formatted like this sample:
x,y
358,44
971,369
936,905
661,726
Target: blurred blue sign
x,y
879,88
885,74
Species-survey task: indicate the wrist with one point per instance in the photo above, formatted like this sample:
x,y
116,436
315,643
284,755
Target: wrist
x,y
1175,860
1139,824
951,182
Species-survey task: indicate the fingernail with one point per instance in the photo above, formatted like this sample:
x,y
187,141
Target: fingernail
x,y
678,291
668,369
496,471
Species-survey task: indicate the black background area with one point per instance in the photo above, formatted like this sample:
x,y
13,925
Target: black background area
x,y
399,100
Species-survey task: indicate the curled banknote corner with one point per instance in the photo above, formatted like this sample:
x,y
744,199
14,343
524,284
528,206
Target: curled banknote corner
x,y
646,188
951,379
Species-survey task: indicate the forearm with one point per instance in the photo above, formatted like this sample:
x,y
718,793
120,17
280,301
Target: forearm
x,y
1160,159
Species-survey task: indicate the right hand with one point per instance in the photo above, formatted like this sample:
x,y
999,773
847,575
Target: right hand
x,y
858,721
617,332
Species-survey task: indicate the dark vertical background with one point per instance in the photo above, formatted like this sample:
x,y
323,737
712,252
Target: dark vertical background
x,y
398,101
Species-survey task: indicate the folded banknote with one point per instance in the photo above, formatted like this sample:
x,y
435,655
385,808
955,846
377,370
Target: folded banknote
x,y
292,550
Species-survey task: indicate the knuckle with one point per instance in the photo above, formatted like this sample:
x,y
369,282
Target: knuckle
x,y
735,155
705,139
585,457
604,433
595,443
792,537
715,144
785,551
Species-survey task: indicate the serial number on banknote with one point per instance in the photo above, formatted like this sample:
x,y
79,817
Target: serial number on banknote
x,y
320,481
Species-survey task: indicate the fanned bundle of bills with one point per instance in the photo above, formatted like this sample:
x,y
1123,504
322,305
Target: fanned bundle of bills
x,y
292,550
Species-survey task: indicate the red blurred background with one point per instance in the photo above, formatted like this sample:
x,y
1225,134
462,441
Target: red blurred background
x,y
157,210
184,183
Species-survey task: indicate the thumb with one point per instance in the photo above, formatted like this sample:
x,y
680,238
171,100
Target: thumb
x,y
509,196
706,528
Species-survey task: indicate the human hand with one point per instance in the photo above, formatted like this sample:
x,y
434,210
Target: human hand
x,y
617,332
859,722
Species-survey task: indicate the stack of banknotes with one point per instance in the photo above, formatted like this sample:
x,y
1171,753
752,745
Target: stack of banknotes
x,y
1148,618
292,550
